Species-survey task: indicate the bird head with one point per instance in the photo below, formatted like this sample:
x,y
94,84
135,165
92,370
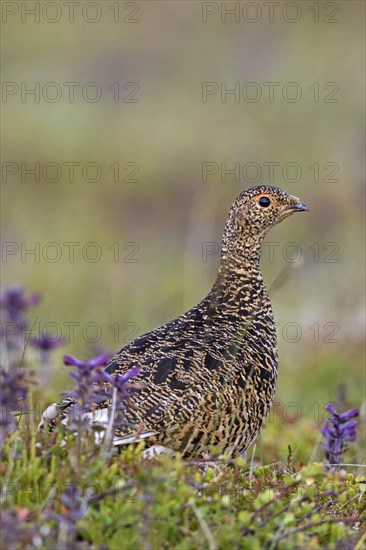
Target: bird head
x,y
254,212
259,208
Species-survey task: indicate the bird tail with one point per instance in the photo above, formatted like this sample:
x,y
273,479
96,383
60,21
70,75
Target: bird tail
x,y
98,419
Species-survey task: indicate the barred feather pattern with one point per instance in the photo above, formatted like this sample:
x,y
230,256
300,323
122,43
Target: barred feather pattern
x,y
210,374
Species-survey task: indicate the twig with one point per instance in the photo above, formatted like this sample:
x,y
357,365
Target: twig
x,y
251,468
316,524
281,278
205,528
108,435
27,341
360,543
286,490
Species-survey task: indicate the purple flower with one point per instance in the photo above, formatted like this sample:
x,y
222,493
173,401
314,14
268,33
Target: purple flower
x,y
121,382
14,302
74,504
87,365
88,376
90,386
14,386
45,345
13,392
74,507
95,386
337,431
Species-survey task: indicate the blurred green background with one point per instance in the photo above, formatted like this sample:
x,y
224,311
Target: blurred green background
x,y
168,132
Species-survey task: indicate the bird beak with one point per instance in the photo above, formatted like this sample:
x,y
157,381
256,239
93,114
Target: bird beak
x,y
299,207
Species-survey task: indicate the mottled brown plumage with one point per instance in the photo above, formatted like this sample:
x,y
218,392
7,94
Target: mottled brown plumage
x,y
210,374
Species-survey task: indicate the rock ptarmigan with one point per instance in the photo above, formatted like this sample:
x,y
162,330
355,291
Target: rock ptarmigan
x,y
210,374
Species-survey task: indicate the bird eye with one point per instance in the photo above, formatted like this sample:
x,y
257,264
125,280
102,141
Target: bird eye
x,y
264,201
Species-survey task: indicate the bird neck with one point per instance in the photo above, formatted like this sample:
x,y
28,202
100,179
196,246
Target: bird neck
x,y
241,254
239,281
240,271
239,284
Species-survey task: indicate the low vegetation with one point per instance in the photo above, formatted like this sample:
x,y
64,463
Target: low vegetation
x,y
63,490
